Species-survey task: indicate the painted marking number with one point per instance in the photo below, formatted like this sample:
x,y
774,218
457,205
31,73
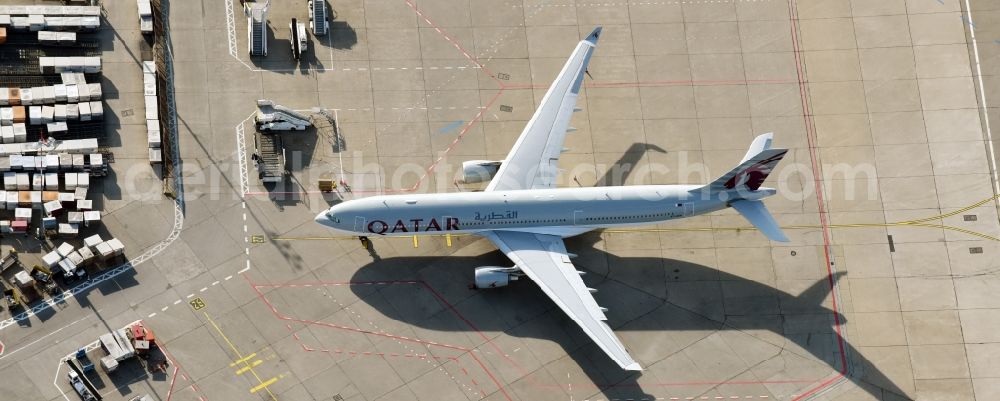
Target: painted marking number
x,y
503,76
505,108
197,304
256,239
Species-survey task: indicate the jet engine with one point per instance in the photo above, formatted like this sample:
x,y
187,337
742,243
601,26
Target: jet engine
x,y
474,171
495,276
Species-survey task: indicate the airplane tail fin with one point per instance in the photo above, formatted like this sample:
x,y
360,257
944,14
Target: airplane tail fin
x,y
759,161
744,181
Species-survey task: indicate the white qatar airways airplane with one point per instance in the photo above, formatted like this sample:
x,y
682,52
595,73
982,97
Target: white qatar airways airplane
x,y
526,216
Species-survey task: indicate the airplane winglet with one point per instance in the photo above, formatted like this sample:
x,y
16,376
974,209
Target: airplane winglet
x,y
592,38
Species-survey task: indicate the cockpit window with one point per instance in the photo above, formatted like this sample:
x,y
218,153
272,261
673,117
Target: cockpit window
x,y
333,218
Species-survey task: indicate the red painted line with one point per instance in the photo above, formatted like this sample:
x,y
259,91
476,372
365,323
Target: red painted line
x,y
817,182
455,43
177,368
173,378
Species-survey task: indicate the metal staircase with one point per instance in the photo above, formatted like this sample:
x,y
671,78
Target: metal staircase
x,y
317,17
257,26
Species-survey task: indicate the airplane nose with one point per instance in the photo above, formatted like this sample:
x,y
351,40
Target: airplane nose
x,y
322,219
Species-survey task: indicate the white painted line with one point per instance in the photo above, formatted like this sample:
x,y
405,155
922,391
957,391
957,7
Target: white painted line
x,y
228,277
982,98
151,314
203,289
215,283
164,309
9,353
177,302
189,295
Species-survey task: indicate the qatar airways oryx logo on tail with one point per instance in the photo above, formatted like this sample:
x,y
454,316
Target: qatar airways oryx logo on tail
x,y
412,225
754,175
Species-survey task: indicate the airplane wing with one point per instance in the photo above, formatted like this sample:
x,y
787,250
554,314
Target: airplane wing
x,y
532,163
544,259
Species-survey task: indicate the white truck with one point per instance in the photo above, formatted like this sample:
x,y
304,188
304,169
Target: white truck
x,y
81,389
299,38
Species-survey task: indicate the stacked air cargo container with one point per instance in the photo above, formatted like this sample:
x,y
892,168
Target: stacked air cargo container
x,y
72,100
153,137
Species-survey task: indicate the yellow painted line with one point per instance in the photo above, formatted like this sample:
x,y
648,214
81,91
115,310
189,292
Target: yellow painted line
x,y
237,352
248,367
921,222
247,358
263,385
416,243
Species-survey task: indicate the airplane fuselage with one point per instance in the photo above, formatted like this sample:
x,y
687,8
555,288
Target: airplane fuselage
x,y
560,211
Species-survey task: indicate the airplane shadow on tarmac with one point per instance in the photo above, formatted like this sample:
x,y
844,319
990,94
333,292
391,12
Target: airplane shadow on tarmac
x,y
644,294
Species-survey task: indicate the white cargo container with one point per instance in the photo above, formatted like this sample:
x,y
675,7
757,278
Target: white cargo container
x,y
67,197
4,96
83,180
74,217
49,95
72,93
23,182
153,139
96,110
72,112
51,181
95,91
36,199
7,134
116,246
70,181
65,248
86,254
6,116
84,92
57,127
152,112
92,241
104,251
12,200
23,213
67,230
84,204
92,217
37,182
155,156
51,259
52,208
85,111
34,115
20,133
48,114
59,90
60,113
67,266
27,97
149,67
52,162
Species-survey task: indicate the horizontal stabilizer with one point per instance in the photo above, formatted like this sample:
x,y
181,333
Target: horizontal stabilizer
x,y
757,214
